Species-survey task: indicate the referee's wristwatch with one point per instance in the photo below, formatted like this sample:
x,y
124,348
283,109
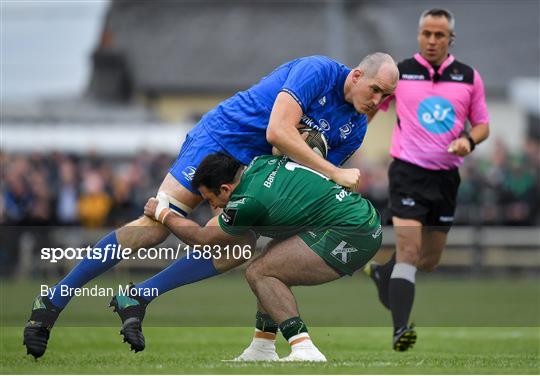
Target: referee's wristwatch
x,y
467,135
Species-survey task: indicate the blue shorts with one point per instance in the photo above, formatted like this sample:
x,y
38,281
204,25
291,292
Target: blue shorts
x,y
196,147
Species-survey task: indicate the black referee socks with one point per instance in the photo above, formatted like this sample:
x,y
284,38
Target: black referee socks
x,y
401,293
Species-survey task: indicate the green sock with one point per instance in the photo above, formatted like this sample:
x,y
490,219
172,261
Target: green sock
x,y
293,326
265,323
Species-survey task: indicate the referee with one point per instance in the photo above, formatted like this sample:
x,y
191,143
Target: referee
x,y
435,96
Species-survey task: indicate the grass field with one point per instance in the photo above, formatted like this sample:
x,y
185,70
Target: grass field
x,y
349,350
465,326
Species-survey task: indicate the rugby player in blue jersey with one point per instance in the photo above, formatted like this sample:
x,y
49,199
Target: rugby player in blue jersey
x,y
314,91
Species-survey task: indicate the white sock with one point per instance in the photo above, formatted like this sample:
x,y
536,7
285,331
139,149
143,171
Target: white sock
x,y
300,339
263,339
404,271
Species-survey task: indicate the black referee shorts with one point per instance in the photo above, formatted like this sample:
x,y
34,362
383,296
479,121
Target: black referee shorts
x,y
428,196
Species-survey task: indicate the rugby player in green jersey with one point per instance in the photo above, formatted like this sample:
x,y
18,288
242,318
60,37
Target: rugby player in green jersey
x,y
321,232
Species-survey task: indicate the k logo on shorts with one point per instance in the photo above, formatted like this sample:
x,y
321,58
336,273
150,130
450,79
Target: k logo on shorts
x,y
437,115
342,252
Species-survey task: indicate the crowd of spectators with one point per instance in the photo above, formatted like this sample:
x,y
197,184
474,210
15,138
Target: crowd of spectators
x,y
97,191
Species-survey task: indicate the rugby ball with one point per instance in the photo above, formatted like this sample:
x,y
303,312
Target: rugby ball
x,y
316,141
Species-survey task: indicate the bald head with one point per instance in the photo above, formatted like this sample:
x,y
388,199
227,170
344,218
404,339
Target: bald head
x,y
374,79
382,63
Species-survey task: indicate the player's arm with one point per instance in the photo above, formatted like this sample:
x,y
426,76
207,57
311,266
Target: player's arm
x,y
282,133
478,117
479,132
190,232
465,144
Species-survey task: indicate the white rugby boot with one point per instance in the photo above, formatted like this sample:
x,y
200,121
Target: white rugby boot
x,y
303,350
260,349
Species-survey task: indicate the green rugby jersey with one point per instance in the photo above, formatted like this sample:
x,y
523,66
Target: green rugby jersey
x,y
277,197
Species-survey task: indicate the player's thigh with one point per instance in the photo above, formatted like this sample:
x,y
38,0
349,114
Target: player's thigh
x,y
408,234
197,146
154,232
293,263
433,243
179,192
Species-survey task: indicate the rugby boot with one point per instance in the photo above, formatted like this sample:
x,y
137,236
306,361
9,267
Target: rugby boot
x,y
131,310
372,271
259,350
38,328
304,351
404,338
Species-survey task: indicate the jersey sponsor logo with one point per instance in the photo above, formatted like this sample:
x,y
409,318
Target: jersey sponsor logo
x,y
322,101
413,76
343,252
437,115
307,121
324,125
228,216
291,166
456,75
408,201
189,172
234,204
446,219
270,178
345,130
342,194
377,233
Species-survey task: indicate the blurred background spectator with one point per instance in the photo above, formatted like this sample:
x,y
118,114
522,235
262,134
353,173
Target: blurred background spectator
x,y
44,189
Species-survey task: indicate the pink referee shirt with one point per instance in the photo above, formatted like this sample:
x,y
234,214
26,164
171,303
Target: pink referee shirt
x,y
432,108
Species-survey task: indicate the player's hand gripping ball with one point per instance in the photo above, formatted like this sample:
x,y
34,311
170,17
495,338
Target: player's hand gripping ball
x,y
314,139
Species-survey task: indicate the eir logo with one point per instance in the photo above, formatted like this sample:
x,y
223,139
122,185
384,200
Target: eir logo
x,y
436,115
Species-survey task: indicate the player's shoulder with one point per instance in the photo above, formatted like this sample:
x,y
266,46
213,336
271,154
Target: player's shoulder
x,y
260,162
256,175
321,62
321,59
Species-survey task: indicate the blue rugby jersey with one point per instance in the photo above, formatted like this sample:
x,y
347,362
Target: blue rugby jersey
x,y
239,123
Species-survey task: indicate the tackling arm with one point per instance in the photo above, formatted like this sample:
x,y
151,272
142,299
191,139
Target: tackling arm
x,y
193,234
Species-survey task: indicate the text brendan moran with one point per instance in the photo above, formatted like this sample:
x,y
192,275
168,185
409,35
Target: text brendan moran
x,y
126,290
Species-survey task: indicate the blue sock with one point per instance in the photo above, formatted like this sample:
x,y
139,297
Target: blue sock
x,y
85,271
180,273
